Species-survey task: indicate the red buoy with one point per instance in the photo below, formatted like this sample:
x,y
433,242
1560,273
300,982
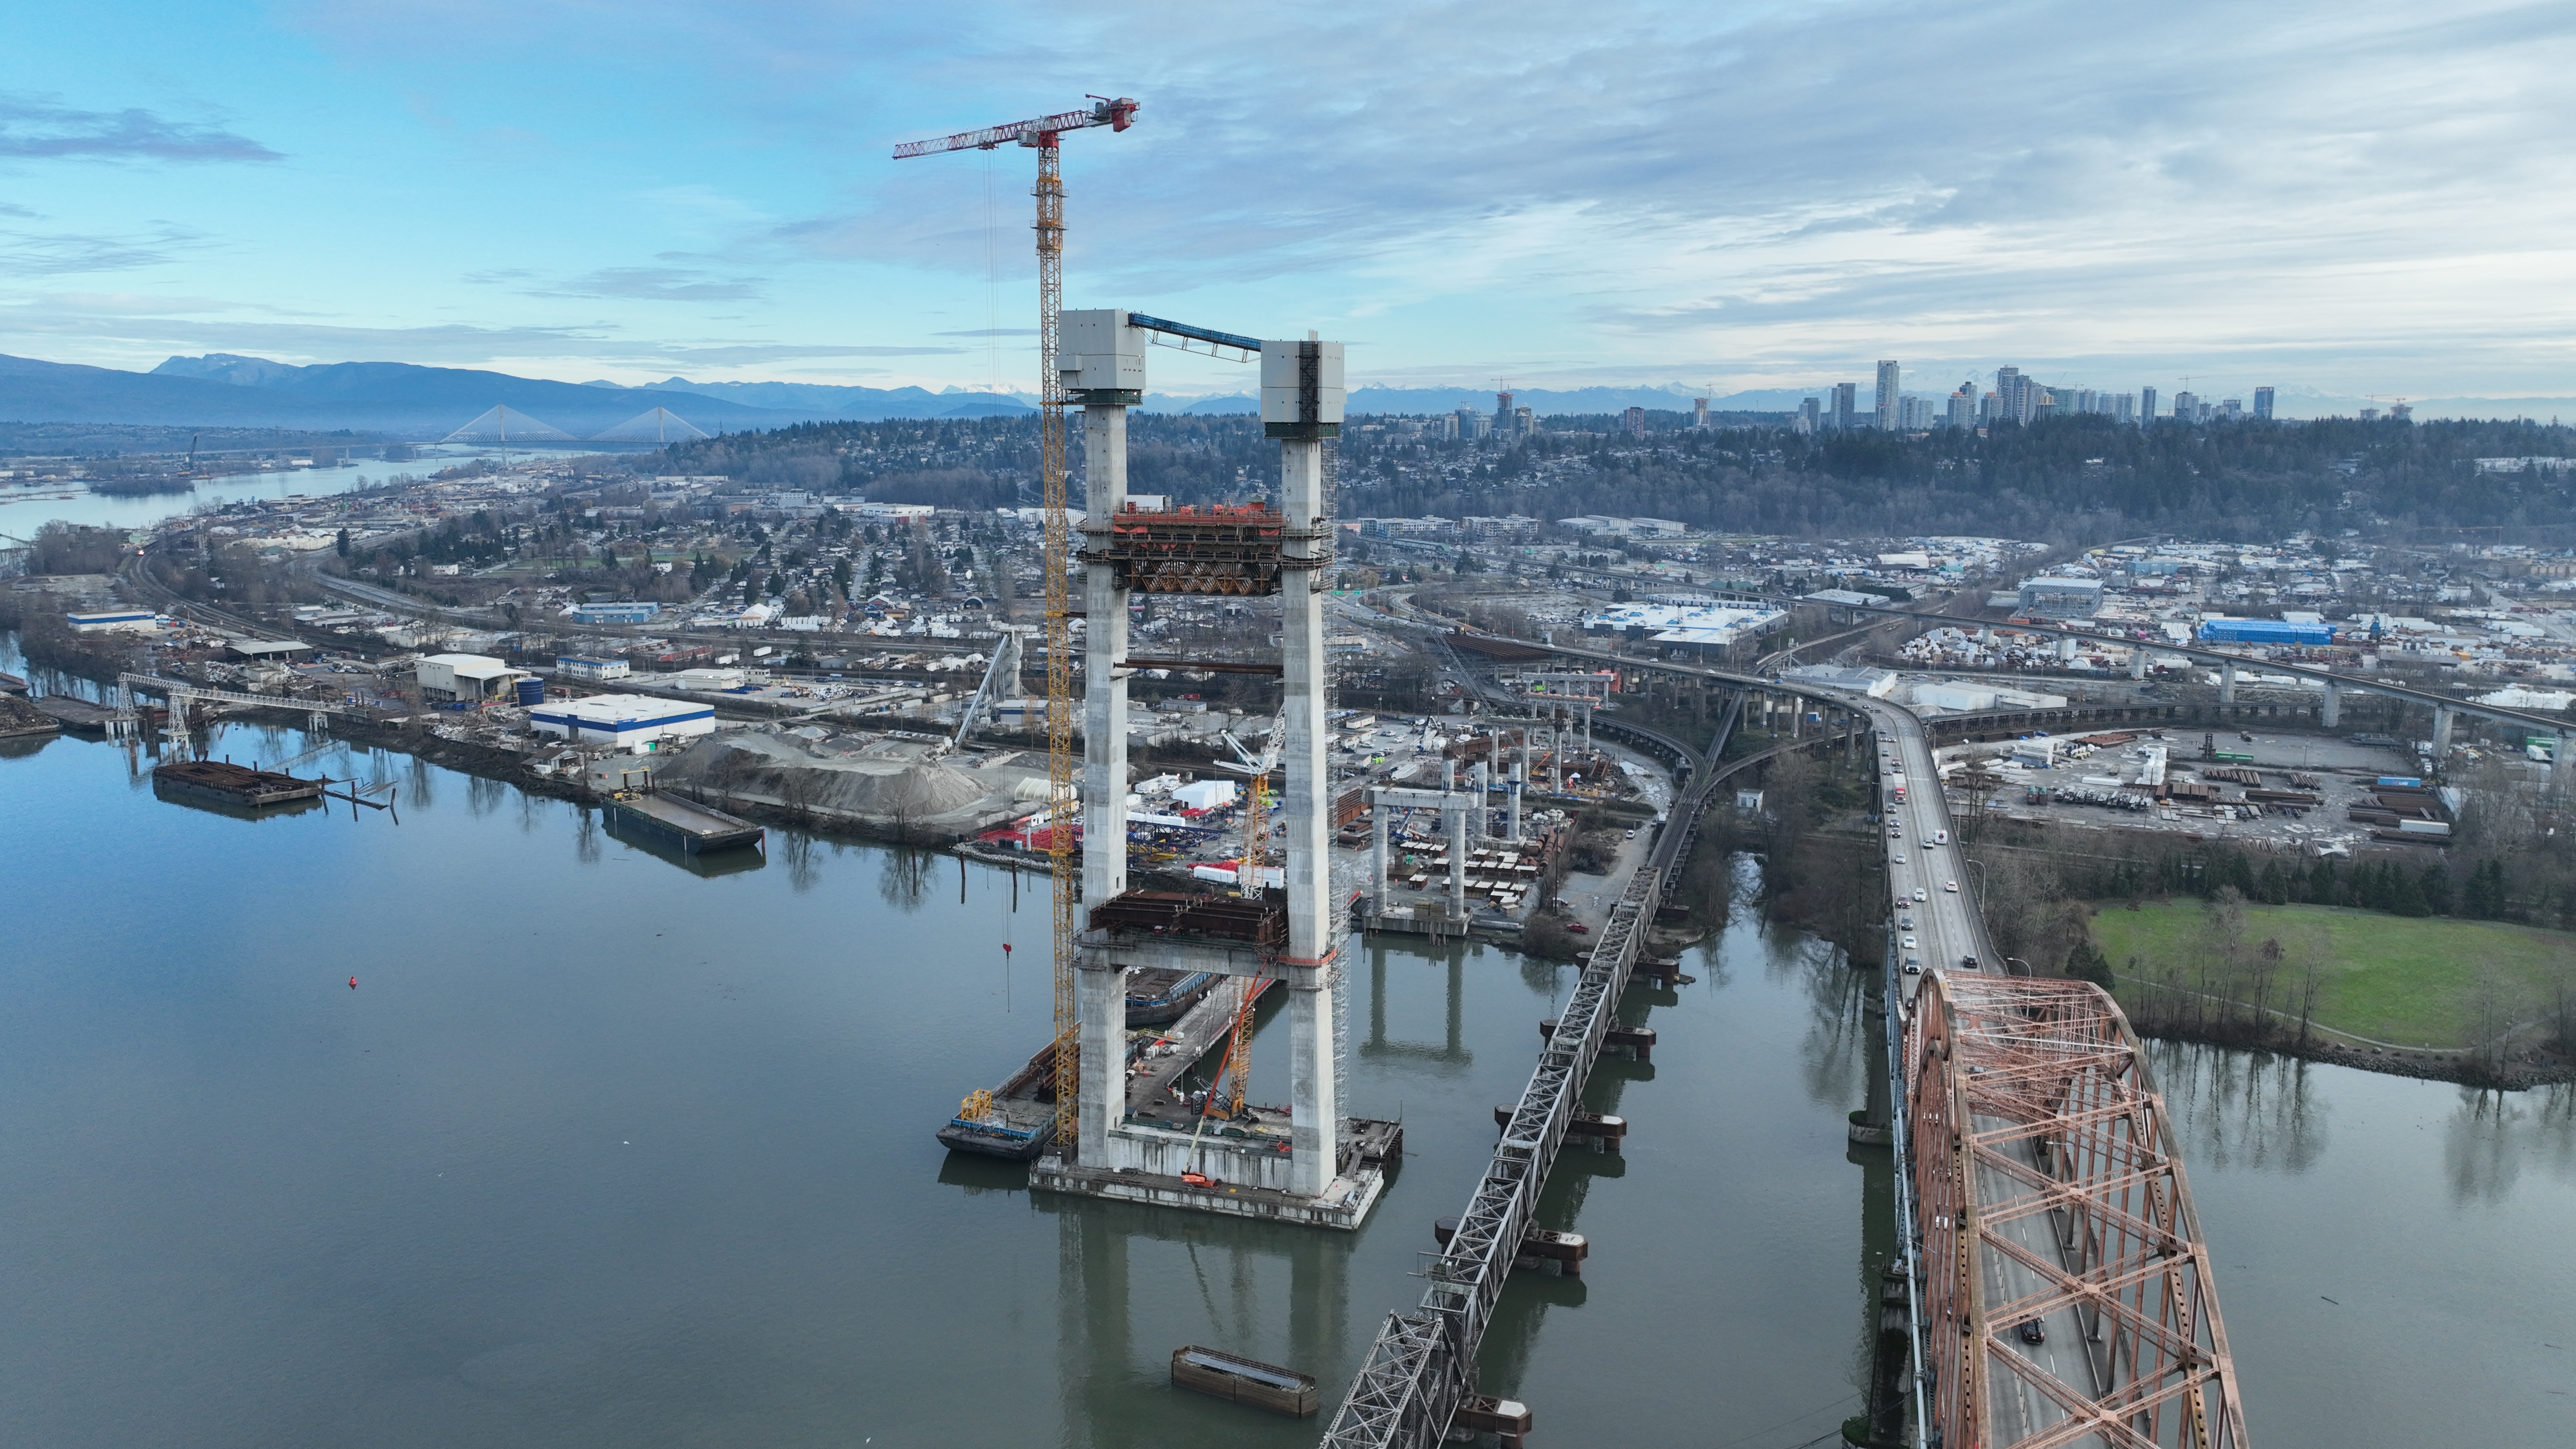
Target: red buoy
x,y
1006,948
353,983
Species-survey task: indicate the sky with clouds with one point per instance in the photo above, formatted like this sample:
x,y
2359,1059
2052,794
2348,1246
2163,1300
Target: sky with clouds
x,y
2352,197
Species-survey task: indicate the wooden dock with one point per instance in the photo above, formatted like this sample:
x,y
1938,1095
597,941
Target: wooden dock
x,y
77,714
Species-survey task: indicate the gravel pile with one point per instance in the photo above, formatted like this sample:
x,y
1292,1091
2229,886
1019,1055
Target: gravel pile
x,y
789,773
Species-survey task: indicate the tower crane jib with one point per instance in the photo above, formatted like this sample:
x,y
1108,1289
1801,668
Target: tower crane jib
x,y
1043,134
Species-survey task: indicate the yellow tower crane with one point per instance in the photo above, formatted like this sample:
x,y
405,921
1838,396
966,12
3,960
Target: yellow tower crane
x,y
1063,796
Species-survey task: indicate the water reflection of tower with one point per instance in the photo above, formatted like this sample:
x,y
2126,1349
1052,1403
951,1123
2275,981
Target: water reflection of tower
x,y
1452,1055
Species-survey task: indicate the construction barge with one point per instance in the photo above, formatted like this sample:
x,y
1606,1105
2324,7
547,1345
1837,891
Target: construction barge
x,y
220,782
684,825
1220,1153
1016,1120
1241,1380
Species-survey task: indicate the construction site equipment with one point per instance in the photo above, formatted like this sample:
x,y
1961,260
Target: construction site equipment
x,y
1043,135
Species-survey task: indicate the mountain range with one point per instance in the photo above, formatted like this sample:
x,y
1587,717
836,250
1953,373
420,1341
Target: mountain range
x,y
226,390
223,389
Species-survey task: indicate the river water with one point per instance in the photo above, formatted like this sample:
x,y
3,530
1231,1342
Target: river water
x,y
603,1150
23,508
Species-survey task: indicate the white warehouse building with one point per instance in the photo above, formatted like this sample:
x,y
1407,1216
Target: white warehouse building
x,y
622,719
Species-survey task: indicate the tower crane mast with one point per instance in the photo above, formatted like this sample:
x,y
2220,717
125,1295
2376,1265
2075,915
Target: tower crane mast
x,y
1064,869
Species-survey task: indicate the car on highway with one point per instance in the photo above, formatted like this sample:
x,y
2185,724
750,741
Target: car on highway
x,y
1913,965
1919,896
1951,886
1899,857
1940,837
1908,943
1967,963
2031,1332
1905,923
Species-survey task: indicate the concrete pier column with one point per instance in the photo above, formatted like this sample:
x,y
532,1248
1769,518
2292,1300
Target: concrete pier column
x,y
2331,711
1480,784
1307,813
1378,862
1100,996
2138,662
1104,714
2559,767
1314,1105
2227,682
1301,389
1454,815
1514,832
2441,734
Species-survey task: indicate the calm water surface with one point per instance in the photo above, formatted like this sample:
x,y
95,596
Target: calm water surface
x,y
606,1151
24,509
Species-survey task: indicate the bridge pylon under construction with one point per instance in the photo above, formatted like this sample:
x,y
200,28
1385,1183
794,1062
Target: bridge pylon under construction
x,y
1140,1136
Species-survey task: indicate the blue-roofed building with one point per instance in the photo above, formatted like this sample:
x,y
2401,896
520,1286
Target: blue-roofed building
x,y
2263,631
628,612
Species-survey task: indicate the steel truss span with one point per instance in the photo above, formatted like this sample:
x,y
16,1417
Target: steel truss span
x,y
2067,1296
1424,1362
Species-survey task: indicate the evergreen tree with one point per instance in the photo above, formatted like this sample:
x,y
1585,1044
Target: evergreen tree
x,y
2405,893
2087,963
2478,894
2435,885
2274,886
2322,888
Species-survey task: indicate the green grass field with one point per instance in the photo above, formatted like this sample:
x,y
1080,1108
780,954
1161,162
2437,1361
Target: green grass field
x,y
2390,978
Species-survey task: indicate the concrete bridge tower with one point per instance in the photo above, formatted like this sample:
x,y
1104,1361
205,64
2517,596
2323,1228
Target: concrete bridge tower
x,y
1307,1164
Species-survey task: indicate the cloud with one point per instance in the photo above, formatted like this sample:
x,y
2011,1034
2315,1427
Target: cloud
x,y
750,352
116,324
26,253
654,284
2359,189
35,130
